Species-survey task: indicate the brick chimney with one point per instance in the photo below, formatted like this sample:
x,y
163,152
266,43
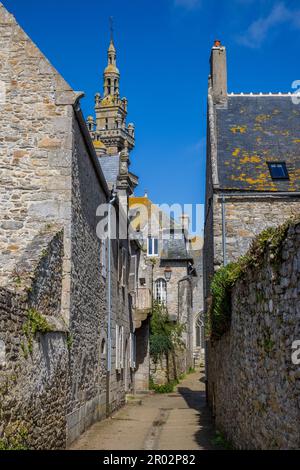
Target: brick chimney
x,y
218,71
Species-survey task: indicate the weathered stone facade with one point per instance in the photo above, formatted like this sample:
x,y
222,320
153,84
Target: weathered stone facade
x,y
254,386
244,218
250,387
52,263
245,133
34,368
177,293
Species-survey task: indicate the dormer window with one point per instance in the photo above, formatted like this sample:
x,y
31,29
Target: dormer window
x,y
278,170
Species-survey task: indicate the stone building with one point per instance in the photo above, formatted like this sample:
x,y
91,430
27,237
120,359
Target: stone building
x,y
253,167
66,314
167,269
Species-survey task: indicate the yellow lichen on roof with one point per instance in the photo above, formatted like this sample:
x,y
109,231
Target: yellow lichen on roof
x,y
250,159
240,129
236,152
263,118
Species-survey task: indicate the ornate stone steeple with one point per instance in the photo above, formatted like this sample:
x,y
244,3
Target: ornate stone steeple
x,y
110,131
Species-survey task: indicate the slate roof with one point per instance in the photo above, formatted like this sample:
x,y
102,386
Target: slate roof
x,y
252,131
174,249
110,167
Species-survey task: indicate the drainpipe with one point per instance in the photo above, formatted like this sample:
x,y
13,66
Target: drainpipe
x,y
224,230
112,200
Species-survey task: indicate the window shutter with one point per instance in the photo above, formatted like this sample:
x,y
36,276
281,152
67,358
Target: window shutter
x,y
133,273
122,348
117,348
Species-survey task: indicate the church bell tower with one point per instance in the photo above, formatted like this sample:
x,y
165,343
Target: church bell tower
x,y
110,133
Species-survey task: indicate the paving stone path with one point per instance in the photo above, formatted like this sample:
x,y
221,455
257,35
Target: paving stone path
x,y
176,421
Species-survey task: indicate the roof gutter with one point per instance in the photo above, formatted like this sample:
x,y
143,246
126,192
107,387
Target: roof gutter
x,y
257,194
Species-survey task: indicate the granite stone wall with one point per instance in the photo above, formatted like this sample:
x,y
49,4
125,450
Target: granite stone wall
x,y
88,400
179,271
51,186
253,385
34,367
35,151
246,217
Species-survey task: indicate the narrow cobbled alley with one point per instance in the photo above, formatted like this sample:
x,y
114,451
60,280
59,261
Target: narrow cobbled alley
x,y
179,420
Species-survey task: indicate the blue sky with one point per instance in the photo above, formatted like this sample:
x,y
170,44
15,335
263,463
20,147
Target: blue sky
x,y
163,51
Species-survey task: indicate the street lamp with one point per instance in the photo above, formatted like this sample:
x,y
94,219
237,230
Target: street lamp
x,y
168,274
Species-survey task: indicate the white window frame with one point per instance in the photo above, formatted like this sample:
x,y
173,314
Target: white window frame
x,y
153,240
163,293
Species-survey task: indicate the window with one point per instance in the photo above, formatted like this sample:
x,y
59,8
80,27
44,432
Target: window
x,y
278,170
133,274
152,249
200,337
119,347
161,291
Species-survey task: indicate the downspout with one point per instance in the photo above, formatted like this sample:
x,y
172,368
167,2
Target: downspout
x,y
224,230
112,200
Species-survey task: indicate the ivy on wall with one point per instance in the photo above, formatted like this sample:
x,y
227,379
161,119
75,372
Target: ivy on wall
x,y
219,312
165,335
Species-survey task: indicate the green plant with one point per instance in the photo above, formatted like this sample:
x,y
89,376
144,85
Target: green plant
x,y
165,335
268,343
70,341
220,441
36,323
165,388
219,313
14,438
219,316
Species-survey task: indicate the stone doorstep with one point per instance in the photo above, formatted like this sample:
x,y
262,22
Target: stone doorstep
x,y
133,400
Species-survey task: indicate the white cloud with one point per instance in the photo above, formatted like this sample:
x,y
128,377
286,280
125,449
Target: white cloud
x,y
188,4
259,29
